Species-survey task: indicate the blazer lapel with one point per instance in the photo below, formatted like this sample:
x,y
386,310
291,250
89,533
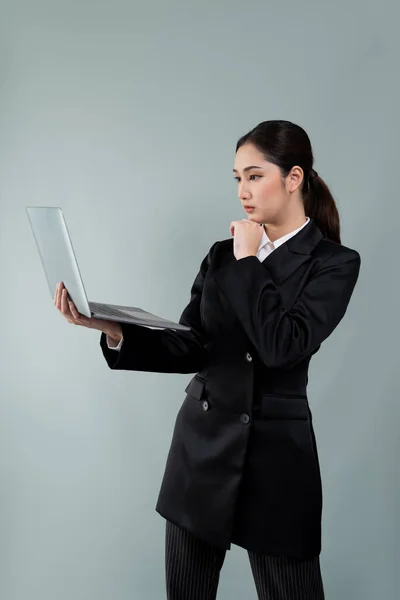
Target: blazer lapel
x,y
288,257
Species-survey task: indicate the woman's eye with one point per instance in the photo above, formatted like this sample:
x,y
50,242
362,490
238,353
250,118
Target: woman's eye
x,y
238,178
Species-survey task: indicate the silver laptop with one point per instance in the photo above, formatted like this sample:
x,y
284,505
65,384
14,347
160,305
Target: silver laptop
x,y
59,263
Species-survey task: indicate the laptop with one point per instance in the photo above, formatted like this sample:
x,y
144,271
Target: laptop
x,y
59,263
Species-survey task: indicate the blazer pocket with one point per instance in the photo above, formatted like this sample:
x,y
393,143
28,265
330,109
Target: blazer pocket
x,y
280,406
196,388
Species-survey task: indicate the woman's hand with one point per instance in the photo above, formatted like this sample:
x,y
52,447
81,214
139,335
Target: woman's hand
x,y
247,237
69,311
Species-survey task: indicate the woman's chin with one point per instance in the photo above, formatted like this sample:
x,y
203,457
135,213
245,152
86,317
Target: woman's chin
x,y
254,219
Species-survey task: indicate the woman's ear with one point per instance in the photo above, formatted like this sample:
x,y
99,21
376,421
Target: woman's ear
x,y
294,179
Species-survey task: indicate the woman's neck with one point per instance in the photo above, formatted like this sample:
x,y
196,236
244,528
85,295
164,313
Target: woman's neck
x,y
275,231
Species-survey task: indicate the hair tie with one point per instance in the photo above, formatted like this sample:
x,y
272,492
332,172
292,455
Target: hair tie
x,y
313,174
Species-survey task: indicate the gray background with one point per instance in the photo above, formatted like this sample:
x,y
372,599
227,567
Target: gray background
x,y
126,115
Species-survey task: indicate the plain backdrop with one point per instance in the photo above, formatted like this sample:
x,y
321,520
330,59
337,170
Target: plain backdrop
x,y
126,114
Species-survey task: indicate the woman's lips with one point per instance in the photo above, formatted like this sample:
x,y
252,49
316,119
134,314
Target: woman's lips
x,y
249,208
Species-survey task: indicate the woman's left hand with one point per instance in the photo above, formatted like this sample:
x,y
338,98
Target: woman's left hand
x,y
247,237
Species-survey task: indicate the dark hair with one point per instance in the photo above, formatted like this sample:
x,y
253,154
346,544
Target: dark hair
x,y
286,145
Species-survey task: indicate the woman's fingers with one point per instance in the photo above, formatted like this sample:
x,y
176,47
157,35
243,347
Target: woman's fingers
x,y
76,315
64,305
68,309
73,310
56,296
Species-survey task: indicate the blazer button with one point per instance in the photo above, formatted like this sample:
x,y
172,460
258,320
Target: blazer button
x,y
205,405
248,357
244,418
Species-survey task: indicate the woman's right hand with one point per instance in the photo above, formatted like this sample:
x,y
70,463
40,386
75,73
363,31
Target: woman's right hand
x,y
68,309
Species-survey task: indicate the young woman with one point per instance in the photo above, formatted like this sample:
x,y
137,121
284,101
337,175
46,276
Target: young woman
x,y
243,464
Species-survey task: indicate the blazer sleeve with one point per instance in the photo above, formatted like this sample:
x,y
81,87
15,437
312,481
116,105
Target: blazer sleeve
x,y
164,350
282,337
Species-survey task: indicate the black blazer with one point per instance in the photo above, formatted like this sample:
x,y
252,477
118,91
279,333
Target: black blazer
x,y
243,464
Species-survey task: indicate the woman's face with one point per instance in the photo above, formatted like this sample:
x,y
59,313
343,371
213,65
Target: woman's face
x,y
261,186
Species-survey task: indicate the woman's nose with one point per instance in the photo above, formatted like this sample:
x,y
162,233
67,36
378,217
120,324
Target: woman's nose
x,y
243,193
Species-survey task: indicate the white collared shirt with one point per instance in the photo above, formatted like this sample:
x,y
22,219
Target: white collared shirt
x,y
265,248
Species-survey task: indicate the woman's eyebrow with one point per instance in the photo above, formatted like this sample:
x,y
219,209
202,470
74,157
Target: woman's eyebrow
x,y
248,168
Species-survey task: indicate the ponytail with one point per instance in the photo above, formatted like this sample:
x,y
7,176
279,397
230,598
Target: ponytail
x,y
320,206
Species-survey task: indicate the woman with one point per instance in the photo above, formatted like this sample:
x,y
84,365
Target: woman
x,y
243,464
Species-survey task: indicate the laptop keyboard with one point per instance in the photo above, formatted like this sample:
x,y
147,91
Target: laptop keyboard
x,y
104,309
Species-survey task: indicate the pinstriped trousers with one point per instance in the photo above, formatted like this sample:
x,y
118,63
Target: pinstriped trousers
x,y
192,568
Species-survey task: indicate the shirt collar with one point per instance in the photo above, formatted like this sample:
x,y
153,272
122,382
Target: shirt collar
x,y
265,239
